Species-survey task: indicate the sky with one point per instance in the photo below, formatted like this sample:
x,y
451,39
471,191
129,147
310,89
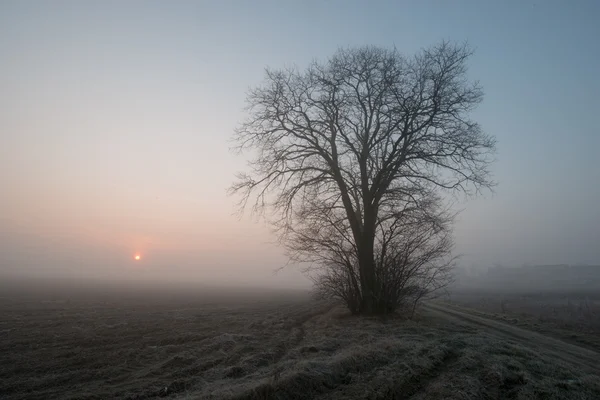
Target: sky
x,y
116,119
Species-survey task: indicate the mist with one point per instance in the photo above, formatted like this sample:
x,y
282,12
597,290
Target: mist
x,y
299,200
116,119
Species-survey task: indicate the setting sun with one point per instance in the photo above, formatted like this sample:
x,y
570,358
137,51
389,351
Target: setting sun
x,y
137,257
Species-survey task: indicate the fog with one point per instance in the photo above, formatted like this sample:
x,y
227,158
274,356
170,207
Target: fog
x,y
115,120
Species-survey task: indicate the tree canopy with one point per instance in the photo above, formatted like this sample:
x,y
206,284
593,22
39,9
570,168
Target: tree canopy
x,y
351,157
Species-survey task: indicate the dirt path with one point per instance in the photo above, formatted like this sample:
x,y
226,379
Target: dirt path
x,y
586,359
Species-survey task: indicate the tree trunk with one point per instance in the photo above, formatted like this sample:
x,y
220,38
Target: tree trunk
x,y
367,266
366,278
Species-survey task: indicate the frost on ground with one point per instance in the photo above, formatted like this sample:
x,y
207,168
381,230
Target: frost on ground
x,y
573,316
259,348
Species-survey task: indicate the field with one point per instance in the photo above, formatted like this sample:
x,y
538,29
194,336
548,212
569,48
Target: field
x,y
573,316
116,344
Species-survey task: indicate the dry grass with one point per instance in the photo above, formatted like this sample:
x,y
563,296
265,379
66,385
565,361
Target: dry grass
x,y
260,348
570,316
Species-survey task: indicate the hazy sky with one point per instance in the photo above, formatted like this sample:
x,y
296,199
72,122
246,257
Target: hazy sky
x,y
115,118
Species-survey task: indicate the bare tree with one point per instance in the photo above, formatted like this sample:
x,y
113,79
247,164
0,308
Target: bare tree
x,y
348,154
412,252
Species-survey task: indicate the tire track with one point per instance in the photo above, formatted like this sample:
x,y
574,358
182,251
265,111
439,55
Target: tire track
x,y
584,358
294,338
